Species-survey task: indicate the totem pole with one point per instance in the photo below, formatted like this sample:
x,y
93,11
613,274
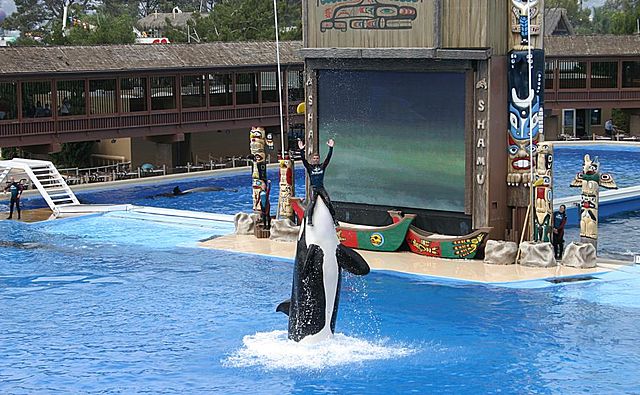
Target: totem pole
x,y
286,187
590,179
258,141
543,193
526,94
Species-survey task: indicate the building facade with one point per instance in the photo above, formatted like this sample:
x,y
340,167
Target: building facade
x,y
415,96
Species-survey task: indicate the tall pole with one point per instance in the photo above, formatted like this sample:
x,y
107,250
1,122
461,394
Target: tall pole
x,y
275,13
286,164
529,72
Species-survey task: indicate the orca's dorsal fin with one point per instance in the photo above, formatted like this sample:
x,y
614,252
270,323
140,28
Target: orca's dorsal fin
x,y
351,261
284,307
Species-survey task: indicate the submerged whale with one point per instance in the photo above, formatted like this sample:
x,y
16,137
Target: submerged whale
x,y
178,192
20,245
320,258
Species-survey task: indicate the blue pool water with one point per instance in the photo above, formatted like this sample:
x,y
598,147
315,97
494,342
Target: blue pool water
x,y
141,310
622,162
234,198
619,235
119,303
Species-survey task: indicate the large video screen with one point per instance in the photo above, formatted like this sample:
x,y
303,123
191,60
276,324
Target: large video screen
x,y
399,137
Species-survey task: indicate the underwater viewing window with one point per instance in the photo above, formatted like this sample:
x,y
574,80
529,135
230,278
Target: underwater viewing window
x,y
399,137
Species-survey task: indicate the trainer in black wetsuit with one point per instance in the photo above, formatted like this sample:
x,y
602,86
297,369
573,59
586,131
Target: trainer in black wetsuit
x,y
16,191
315,170
559,221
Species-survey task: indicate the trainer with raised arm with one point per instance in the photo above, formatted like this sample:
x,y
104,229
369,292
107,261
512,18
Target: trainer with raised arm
x,y
315,170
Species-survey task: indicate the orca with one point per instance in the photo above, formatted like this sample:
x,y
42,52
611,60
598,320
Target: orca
x,y
317,274
20,245
178,192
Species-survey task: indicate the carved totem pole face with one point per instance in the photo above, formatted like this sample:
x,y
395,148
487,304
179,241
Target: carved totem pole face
x,y
525,20
589,209
525,113
286,188
543,192
590,181
259,168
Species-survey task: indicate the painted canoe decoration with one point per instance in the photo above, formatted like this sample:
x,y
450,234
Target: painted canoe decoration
x,y
443,246
374,238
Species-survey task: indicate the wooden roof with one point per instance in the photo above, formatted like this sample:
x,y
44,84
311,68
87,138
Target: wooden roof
x,y
15,61
114,58
596,45
556,22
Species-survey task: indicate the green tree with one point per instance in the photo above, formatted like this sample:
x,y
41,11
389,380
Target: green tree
x,y
617,17
244,20
9,153
74,155
38,15
93,30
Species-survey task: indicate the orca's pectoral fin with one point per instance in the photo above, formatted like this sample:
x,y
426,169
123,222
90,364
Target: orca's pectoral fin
x,y
284,307
351,261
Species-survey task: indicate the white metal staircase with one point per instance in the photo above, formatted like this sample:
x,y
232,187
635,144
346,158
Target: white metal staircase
x,y
4,172
46,178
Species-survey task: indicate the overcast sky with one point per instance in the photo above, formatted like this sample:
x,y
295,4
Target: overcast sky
x,y
8,6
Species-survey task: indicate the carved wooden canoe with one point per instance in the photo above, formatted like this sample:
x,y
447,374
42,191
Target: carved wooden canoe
x,y
444,246
365,237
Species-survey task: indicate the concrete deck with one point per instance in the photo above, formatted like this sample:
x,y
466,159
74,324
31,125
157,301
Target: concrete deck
x,y
36,215
408,262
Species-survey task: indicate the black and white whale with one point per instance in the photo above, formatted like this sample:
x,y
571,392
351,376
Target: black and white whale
x,y
317,275
179,192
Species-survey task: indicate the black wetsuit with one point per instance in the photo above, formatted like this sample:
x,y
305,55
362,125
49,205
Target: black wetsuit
x,y
559,220
316,178
16,190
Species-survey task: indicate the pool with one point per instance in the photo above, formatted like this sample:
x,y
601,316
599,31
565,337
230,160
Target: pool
x,y
621,161
618,235
141,309
122,303
235,197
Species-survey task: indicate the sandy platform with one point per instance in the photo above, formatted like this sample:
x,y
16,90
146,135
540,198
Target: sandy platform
x,y
36,215
408,262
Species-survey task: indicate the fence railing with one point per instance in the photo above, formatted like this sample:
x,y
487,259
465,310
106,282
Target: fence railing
x,y
124,170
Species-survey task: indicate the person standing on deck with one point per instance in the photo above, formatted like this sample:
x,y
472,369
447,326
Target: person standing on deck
x,y
15,188
315,170
265,208
559,221
608,127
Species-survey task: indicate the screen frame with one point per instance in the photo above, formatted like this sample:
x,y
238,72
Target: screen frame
x,y
315,65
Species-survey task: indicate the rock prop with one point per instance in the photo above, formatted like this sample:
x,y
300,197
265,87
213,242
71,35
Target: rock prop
x,y
245,223
537,254
284,230
580,255
498,252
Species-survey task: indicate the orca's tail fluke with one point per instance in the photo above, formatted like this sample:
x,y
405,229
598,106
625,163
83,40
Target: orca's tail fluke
x,y
284,307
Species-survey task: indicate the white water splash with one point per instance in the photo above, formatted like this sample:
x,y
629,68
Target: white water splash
x,y
273,350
